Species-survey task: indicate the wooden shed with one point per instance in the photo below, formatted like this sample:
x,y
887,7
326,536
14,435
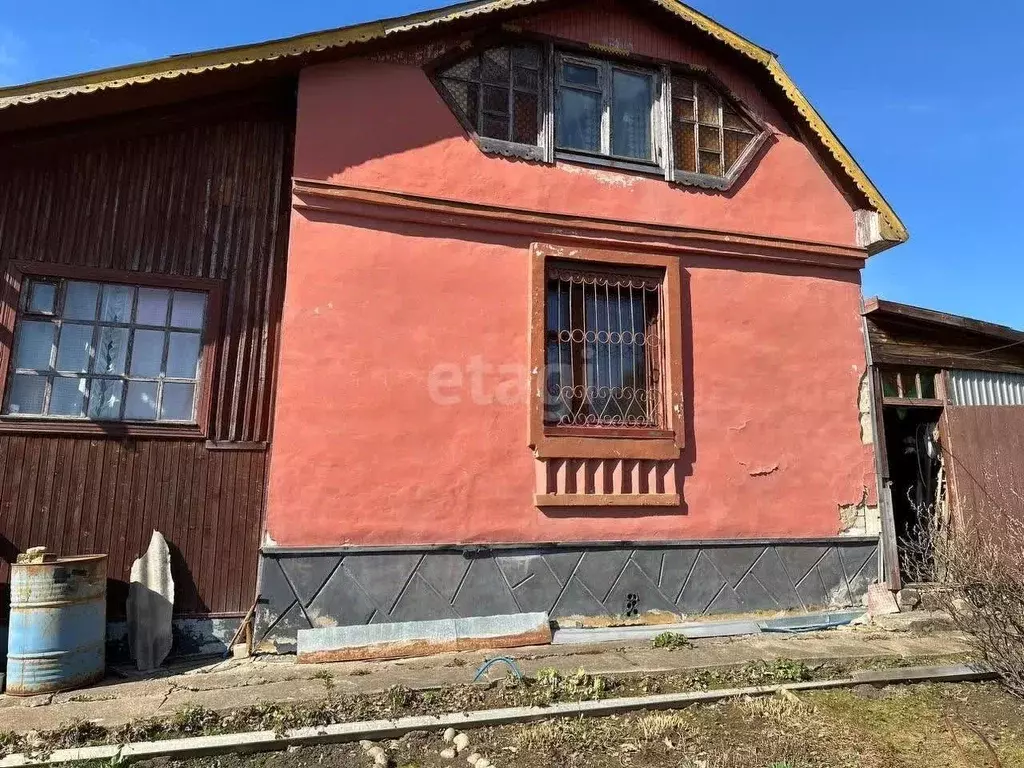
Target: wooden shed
x,y
948,397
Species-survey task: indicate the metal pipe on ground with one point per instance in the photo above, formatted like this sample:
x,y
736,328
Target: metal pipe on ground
x,y
270,741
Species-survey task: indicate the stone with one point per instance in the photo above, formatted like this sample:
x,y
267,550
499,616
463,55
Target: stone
x,y
240,651
448,735
375,751
474,758
366,745
908,599
448,754
151,605
381,760
881,601
461,741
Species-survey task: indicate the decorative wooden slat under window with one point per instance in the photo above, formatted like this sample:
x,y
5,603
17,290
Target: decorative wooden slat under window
x,y
605,482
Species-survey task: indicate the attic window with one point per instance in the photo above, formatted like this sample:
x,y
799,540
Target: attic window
x,y
709,135
497,93
542,103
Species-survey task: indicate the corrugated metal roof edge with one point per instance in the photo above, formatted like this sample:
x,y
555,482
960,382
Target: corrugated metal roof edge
x,y
892,229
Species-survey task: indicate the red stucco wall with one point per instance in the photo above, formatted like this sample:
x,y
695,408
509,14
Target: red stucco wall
x,y
365,453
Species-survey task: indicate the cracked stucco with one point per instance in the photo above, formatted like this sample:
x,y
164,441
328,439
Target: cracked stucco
x,y
860,518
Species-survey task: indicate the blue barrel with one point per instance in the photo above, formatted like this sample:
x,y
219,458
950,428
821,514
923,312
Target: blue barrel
x,y
58,625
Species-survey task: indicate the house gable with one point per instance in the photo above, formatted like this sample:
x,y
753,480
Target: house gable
x,y
379,122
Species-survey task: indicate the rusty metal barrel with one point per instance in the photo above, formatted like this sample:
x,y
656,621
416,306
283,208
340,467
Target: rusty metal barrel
x,y
58,626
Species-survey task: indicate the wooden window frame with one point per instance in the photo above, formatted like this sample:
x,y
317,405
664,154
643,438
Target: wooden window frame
x,y
914,400
553,52
10,307
606,68
550,441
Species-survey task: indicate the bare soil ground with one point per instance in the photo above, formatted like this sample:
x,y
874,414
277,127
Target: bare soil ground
x,y
924,726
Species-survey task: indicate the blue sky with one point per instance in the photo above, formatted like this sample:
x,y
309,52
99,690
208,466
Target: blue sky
x,y
925,95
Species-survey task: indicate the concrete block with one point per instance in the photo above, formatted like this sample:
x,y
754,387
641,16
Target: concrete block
x,y
422,638
881,601
150,605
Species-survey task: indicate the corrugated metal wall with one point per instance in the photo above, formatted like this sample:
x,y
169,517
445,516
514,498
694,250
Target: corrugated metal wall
x,y
191,192
984,388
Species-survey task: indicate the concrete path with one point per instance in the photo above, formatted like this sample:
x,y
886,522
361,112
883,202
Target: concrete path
x,y
232,684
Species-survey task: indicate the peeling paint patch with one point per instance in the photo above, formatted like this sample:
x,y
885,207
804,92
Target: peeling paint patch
x,y
610,178
867,426
860,518
268,540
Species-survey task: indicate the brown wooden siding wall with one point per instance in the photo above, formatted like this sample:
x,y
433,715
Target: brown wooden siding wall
x,y
983,448
905,343
194,192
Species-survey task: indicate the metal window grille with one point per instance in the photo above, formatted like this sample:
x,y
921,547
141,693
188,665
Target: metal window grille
x,y
605,354
106,352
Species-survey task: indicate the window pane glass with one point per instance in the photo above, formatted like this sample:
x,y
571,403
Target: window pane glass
x,y
735,143
707,105
111,350
682,109
524,129
177,402
183,355
152,308
105,399
710,137
496,66
140,404
928,385
579,120
74,347
711,163
496,100
526,56
527,79
26,394
34,344
494,127
632,96
42,297
467,69
117,303
890,384
67,397
580,74
683,147
80,301
188,309
732,119
147,353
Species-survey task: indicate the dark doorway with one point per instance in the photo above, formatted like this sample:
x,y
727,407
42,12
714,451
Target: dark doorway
x,y
913,454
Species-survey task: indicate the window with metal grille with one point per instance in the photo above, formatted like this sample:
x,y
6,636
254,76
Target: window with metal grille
x,y
498,92
604,354
106,352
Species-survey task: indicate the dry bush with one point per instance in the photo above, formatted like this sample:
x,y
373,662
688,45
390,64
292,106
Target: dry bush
x,y
975,558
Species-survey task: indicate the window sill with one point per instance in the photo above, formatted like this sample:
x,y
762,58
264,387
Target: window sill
x,y
912,402
559,447
606,500
16,425
604,161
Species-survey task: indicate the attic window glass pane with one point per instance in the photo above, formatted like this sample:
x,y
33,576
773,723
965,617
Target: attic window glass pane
x,y
497,92
710,135
632,97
